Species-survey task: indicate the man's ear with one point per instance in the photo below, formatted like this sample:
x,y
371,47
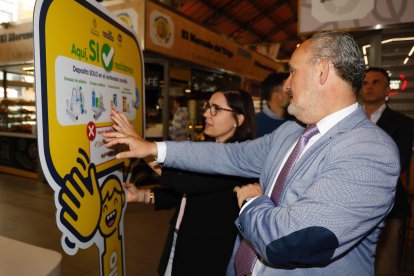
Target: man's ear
x,y
240,119
323,71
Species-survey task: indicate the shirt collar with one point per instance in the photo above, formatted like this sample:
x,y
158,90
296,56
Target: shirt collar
x,y
331,120
377,113
268,112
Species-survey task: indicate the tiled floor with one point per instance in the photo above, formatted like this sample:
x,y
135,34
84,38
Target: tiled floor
x,y
27,213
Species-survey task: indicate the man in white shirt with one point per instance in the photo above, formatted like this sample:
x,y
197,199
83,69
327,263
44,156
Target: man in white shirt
x,y
276,100
329,212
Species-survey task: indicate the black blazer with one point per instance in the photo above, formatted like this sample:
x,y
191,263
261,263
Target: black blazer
x,y
400,128
207,232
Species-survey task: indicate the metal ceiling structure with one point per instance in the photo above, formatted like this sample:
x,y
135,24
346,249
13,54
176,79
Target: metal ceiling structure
x,y
268,26
271,27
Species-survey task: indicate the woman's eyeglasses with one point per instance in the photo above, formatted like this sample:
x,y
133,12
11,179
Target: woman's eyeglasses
x,y
214,109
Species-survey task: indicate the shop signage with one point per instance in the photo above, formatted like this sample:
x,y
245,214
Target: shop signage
x,y
398,84
16,43
172,35
82,71
175,36
322,15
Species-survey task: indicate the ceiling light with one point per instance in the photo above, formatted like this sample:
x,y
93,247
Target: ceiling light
x,y
411,52
364,49
397,39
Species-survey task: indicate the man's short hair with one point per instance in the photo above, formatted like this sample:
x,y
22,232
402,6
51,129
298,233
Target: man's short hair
x,y
271,82
343,52
380,70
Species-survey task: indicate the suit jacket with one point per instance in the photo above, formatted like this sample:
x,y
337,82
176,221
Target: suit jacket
x,y
207,228
333,204
400,128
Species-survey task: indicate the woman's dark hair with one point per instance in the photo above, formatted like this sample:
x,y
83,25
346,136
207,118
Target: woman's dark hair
x,y
242,103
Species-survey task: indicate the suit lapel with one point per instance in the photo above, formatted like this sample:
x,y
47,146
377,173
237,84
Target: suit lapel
x,y
344,125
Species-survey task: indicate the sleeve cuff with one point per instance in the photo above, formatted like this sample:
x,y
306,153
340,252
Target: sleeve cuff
x,y
246,203
162,152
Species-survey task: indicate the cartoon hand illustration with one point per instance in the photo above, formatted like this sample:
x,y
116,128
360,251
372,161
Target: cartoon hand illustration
x,y
80,199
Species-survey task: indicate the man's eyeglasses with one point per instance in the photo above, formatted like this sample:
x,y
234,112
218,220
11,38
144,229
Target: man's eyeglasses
x,y
214,109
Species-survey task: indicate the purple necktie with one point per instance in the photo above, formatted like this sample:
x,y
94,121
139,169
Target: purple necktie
x,y
245,256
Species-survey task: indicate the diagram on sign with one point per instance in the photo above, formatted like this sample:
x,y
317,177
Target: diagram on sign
x,y
75,106
89,92
97,105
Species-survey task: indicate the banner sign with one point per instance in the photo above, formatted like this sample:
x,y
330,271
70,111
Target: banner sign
x,y
87,62
323,15
172,35
16,43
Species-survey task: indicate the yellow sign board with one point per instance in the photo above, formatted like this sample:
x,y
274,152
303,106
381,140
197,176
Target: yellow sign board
x,y
87,62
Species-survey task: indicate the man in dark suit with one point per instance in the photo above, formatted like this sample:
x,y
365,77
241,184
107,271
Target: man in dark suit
x,y
374,93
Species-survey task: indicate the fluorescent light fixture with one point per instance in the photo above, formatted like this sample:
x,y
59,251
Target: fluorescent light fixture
x,y
364,49
411,52
28,68
397,39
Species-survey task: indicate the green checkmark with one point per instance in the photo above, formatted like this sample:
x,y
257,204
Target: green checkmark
x,y
107,57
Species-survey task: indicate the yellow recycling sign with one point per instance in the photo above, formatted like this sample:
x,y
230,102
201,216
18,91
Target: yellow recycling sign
x,y
87,62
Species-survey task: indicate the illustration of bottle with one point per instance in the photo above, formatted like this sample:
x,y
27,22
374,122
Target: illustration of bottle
x,y
115,97
82,101
73,99
93,98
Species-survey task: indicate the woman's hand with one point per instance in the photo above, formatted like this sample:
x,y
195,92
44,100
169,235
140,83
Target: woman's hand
x,y
138,195
121,124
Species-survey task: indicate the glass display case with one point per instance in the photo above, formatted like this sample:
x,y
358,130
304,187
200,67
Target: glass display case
x,y
18,143
17,115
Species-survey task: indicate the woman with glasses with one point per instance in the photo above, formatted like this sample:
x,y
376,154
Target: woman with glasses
x,y
202,232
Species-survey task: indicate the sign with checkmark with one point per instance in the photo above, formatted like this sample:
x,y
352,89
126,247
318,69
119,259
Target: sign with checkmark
x,y
84,70
107,57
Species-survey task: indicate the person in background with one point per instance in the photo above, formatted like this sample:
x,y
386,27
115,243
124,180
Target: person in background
x,y
277,99
374,94
202,228
178,130
325,189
